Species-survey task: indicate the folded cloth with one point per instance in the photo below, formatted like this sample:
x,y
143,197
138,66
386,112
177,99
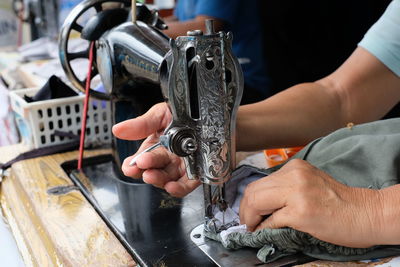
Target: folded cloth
x,y
366,155
54,88
274,244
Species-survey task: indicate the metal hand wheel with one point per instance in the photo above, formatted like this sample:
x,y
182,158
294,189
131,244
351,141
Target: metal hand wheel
x,y
74,24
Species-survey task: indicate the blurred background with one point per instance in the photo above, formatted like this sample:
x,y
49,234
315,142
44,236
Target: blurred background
x,y
300,41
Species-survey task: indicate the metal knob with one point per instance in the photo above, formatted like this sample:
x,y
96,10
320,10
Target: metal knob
x,y
182,141
189,145
195,33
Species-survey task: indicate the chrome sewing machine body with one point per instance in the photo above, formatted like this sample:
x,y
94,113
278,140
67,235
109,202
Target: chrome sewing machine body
x,y
201,81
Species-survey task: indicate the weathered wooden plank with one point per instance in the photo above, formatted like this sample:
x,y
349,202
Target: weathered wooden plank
x,y
9,152
57,229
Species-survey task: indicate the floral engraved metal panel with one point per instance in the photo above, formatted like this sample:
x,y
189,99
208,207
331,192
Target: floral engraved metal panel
x,y
204,90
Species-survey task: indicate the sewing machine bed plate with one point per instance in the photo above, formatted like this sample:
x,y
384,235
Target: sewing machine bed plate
x,y
240,258
156,229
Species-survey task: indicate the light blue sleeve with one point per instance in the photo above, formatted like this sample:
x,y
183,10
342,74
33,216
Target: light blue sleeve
x,y
383,38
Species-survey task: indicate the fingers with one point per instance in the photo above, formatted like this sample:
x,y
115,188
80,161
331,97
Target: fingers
x,y
278,219
277,194
182,187
131,171
158,167
136,170
162,179
154,120
162,169
156,177
261,198
157,159
166,173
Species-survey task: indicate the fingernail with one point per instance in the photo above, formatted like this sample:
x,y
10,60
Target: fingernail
x,y
133,162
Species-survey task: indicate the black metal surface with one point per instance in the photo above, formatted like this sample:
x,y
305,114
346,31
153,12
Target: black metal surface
x,y
137,51
154,227
128,59
102,22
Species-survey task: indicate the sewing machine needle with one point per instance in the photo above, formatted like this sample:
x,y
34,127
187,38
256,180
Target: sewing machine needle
x,y
133,161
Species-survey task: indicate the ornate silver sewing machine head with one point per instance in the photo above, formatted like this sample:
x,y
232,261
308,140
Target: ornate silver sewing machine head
x,y
200,79
202,83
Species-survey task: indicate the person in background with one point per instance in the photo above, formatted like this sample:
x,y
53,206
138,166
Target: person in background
x,y
242,19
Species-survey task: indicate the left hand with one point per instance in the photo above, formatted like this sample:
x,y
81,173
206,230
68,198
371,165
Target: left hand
x,y
307,199
159,167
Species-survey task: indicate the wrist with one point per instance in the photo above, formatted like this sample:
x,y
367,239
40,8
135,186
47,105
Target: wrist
x,y
361,218
371,222
389,233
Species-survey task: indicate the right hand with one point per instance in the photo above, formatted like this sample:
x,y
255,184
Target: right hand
x,y
305,198
159,167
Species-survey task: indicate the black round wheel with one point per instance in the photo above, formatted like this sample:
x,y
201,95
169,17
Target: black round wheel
x,y
74,24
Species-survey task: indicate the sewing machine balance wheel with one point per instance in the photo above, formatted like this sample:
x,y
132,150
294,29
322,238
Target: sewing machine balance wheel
x,y
74,26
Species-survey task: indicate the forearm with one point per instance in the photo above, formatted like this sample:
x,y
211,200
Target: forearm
x,y
361,90
293,117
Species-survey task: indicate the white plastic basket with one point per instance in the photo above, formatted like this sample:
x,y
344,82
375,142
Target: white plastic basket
x,y
37,121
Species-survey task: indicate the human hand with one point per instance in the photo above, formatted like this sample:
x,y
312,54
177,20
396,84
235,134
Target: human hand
x,y
159,167
307,199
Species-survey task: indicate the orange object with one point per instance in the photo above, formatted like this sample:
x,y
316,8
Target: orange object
x,y
280,155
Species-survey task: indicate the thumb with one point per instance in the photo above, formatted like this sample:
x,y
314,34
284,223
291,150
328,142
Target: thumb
x,y
279,219
154,120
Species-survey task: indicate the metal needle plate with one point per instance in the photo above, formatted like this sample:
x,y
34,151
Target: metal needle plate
x,y
222,256
243,257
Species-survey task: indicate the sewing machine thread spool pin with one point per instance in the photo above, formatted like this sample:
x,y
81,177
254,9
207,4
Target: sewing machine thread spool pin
x,y
133,11
210,30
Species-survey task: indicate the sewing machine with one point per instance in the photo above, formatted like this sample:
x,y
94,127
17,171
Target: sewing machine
x,y
201,81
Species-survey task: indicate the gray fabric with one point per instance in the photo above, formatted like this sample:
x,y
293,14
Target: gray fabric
x,y
367,156
241,177
274,244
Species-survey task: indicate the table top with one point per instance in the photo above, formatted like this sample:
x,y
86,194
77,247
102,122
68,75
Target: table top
x,y
64,228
